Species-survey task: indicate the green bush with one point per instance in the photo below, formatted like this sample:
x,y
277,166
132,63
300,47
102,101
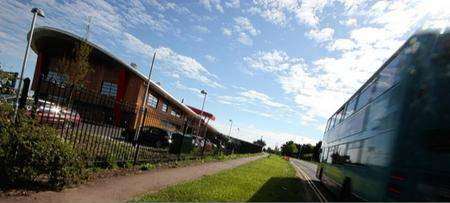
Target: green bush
x,y
106,162
147,166
126,164
31,153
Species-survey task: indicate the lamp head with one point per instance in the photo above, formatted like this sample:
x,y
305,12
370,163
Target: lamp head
x,y
38,11
203,92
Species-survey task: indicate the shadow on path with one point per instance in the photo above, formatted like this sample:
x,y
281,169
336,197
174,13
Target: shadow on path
x,y
283,189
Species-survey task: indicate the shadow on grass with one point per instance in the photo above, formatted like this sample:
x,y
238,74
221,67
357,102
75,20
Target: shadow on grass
x,y
283,189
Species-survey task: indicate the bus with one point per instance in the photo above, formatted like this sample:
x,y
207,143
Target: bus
x,y
391,140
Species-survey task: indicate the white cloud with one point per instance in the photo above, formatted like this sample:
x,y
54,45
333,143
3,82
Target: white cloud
x,y
253,95
277,12
244,29
316,91
243,24
376,30
350,22
180,86
274,61
177,64
210,58
226,32
341,45
233,4
245,39
255,102
201,29
210,4
322,35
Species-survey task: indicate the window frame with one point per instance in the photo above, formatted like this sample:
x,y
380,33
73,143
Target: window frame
x,y
369,87
152,100
165,107
175,113
354,99
109,90
327,127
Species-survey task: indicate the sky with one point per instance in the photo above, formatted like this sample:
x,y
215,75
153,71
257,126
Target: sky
x,y
277,68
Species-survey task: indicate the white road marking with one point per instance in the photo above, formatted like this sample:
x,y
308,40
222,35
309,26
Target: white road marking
x,y
310,183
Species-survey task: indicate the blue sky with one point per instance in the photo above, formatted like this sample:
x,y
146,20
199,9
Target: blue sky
x,y
278,69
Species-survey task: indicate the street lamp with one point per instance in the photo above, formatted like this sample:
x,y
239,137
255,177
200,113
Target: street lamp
x,y
231,125
201,113
36,12
144,102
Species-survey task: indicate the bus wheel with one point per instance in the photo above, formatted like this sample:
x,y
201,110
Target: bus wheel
x,y
346,190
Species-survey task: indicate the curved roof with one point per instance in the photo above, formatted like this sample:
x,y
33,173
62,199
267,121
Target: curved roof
x,y
41,32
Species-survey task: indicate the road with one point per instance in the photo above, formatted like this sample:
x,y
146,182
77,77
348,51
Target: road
x,y
307,172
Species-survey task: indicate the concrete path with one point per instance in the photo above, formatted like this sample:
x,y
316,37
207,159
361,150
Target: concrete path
x,y
122,189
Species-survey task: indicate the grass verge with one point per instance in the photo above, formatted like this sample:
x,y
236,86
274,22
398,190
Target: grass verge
x,y
268,179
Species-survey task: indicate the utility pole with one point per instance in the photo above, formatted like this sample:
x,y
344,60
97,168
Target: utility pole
x,y
144,101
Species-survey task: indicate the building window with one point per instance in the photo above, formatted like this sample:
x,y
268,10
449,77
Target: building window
x,y
165,107
152,101
55,77
175,113
109,89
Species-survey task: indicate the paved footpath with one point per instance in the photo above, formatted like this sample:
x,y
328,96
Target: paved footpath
x,y
124,188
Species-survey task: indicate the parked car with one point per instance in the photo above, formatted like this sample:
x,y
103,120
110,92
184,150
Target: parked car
x,y
52,113
155,137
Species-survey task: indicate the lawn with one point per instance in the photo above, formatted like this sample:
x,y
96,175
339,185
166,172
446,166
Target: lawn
x,y
267,179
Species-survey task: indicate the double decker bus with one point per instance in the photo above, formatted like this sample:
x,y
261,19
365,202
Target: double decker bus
x,y
391,140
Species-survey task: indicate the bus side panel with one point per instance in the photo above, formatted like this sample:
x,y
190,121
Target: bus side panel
x,y
369,151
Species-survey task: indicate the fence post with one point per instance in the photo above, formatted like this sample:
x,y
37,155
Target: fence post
x,y
136,153
24,93
182,137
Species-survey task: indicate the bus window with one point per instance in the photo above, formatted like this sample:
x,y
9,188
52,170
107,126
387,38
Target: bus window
x,y
351,107
333,121
339,116
377,150
328,125
365,96
354,152
389,75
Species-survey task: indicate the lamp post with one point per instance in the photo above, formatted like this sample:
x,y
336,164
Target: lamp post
x,y
144,101
142,111
229,136
201,112
200,121
36,12
231,125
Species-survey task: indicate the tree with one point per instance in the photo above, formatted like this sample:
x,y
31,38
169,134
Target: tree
x,y
75,66
289,149
260,142
6,82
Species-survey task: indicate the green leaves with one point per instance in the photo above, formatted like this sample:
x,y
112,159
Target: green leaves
x,y
32,153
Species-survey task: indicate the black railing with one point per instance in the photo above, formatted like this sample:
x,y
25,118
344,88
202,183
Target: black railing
x,y
103,128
